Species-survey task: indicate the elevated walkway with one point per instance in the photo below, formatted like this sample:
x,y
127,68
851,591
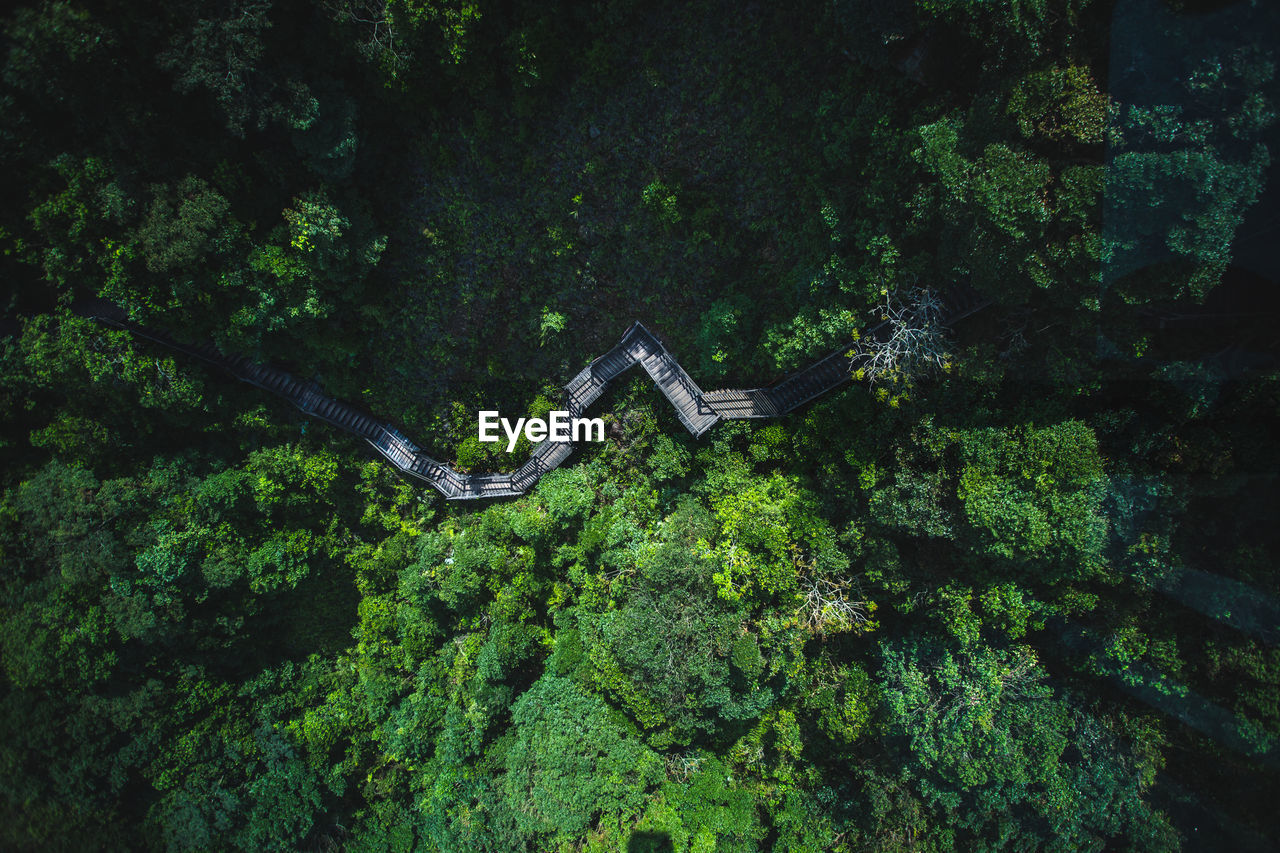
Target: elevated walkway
x,y
697,410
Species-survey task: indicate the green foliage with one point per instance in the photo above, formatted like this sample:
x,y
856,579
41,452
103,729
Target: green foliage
x,y
701,809
1061,104
221,54
1000,197
989,741
668,460
1028,499
1035,495
226,625
677,659
45,41
596,772
329,139
1187,159
661,200
768,532
566,493
843,699
75,219
1186,204
553,323
1010,30
317,254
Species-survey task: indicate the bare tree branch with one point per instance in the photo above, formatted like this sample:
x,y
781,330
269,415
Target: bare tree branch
x,y
915,344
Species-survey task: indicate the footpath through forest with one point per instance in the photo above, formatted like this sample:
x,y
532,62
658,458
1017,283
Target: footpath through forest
x,y
698,410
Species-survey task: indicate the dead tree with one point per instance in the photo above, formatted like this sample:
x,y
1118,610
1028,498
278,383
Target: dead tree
x,y
828,606
913,342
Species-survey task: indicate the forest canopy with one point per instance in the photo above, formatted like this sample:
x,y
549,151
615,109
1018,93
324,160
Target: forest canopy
x,y
1016,588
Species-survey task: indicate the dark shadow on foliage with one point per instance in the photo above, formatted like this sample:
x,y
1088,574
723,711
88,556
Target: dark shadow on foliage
x,y
650,842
